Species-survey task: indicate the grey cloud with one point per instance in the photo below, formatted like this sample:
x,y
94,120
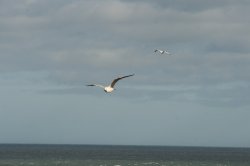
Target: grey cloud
x,y
221,95
191,5
233,97
82,41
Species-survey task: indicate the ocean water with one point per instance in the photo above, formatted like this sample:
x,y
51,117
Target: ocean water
x,y
96,155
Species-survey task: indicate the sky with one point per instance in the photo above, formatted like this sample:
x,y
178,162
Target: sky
x,y
199,96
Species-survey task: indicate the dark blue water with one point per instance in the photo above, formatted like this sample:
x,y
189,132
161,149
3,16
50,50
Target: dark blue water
x,y
75,155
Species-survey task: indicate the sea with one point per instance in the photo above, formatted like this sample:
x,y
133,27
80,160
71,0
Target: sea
x,y
113,155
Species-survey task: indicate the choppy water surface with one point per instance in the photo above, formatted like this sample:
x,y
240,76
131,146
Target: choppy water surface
x,y
94,155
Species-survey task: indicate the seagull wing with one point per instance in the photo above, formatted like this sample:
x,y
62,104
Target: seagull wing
x,y
119,78
101,86
166,52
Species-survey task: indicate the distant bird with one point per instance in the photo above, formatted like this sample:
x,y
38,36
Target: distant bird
x,y
162,52
110,88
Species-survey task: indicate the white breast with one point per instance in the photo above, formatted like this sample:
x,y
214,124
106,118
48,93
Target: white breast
x,y
108,89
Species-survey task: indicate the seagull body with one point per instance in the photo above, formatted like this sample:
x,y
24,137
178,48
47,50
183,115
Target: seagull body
x,y
110,88
162,52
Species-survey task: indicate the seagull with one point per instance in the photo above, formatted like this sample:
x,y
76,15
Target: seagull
x,y
162,52
110,88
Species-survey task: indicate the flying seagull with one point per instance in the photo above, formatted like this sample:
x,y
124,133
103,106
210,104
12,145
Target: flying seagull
x,y
110,88
162,52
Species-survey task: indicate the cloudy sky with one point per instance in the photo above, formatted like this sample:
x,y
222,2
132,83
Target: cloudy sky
x,y
50,49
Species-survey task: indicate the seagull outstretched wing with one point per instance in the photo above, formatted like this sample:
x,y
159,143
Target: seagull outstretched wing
x,y
119,78
167,52
101,86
